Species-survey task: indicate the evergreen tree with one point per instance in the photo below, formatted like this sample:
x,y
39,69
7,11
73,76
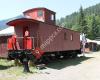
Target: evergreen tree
x,y
74,20
82,22
94,28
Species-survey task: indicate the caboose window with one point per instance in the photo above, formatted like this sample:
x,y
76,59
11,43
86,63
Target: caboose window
x,y
65,36
71,37
40,13
52,17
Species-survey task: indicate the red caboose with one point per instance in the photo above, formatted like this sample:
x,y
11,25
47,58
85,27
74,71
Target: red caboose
x,y
38,34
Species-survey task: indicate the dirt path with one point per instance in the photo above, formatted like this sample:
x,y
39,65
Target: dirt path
x,y
81,68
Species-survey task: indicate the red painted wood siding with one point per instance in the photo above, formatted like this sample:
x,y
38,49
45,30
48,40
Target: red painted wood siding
x,y
59,43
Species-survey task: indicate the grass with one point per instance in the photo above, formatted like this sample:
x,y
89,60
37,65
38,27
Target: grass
x,y
10,72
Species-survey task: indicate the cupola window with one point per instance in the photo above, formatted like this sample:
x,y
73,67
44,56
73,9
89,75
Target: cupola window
x,y
40,13
52,17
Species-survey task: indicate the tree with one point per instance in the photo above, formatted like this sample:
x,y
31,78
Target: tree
x,y
94,28
82,22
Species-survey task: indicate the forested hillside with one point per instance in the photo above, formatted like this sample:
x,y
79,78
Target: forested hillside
x,y
90,22
3,22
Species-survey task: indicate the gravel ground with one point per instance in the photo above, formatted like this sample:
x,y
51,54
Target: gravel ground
x,y
81,68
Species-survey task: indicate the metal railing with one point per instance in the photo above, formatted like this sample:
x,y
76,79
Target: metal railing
x,y
21,45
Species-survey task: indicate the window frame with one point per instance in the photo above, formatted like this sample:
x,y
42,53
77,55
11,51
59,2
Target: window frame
x,y
65,36
52,17
71,37
39,13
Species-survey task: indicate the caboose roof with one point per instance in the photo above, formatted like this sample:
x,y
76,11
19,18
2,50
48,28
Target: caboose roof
x,y
27,21
39,8
22,22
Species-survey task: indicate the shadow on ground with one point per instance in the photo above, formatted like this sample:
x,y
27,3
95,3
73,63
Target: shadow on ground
x,y
2,67
59,64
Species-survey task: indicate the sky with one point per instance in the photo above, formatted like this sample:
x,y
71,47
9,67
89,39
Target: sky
x,y
13,8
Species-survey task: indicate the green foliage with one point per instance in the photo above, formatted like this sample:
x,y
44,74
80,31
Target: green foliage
x,y
82,21
94,28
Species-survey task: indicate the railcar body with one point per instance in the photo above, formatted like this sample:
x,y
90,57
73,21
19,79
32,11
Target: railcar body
x,y
38,35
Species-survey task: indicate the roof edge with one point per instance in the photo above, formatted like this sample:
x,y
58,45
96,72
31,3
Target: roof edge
x,y
38,8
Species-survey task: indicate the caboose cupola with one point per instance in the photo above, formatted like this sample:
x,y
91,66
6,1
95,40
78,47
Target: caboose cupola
x,y
41,14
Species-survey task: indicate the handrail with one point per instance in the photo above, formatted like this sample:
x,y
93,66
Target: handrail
x,y
19,43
